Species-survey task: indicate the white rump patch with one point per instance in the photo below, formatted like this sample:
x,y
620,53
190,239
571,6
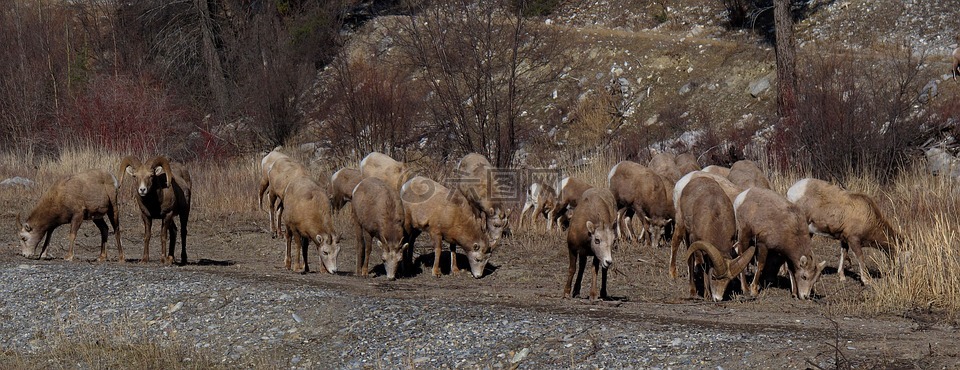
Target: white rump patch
x,y
740,199
116,184
678,188
798,190
563,183
612,172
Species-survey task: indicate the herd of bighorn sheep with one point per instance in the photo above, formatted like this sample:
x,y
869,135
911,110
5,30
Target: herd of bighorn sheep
x,y
729,218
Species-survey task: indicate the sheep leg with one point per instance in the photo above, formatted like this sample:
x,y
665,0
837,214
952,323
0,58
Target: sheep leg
x,y
674,248
582,262
274,220
570,271
692,274
858,252
437,250
361,248
761,260
168,236
843,256
454,269
102,225
794,289
147,230
603,283
304,250
74,226
286,253
523,213
115,223
594,292
46,243
264,184
707,287
184,218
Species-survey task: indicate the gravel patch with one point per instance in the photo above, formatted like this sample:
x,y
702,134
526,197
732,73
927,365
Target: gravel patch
x,y
238,318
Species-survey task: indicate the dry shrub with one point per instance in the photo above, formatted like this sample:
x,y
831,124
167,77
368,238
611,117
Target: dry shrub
x,y
924,276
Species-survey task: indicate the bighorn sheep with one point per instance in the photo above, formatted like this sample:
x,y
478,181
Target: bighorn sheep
x,y
542,200
571,188
746,174
342,184
709,227
639,190
384,167
728,187
446,216
479,186
719,170
282,173
591,234
853,218
90,195
307,216
163,191
687,163
770,222
378,215
665,164
266,164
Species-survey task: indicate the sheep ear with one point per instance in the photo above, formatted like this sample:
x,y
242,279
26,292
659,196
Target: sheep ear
x,y
821,265
803,261
321,239
591,228
404,246
129,170
476,247
157,170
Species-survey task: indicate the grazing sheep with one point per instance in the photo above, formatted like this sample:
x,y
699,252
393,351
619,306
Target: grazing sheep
x,y
639,190
853,218
378,215
163,191
719,170
769,222
746,174
342,184
728,187
90,195
447,216
708,219
665,164
687,163
384,167
542,200
478,185
571,188
591,234
307,216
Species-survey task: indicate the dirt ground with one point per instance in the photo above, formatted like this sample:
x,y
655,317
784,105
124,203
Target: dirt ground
x,y
528,269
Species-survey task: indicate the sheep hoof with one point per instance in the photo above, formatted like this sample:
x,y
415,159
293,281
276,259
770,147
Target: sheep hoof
x,y
68,258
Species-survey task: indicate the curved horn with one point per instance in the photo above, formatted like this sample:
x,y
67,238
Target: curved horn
x,y
163,162
717,258
128,161
741,262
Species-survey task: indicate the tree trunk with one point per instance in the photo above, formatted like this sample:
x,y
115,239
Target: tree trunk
x,y
218,84
786,63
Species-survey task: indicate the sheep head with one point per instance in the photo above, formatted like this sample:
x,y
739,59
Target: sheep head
x,y
496,222
146,174
30,238
328,248
601,242
478,255
723,268
392,255
805,276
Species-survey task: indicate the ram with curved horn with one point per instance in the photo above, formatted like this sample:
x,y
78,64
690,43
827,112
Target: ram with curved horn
x,y
163,191
720,270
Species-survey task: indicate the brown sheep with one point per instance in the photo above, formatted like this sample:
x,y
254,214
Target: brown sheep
x,y
956,63
384,167
769,221
687,163
571,188
342,184
266,164
478,185
639,190
307,216
746,174
163,191
853,218
379,216
591,234
719,170
447,216
90,195
282,174
708,219
541,200
665,164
